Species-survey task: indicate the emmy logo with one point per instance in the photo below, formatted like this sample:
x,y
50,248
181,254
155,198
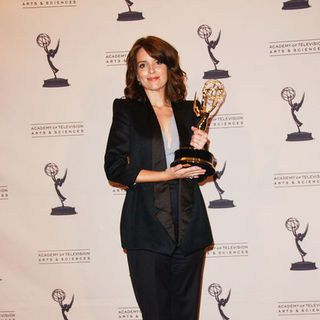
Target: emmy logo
x,y
204,32
130,15
220,203
295,4
288,94
59,295
215,291
292,224
51,169
43,40
213,96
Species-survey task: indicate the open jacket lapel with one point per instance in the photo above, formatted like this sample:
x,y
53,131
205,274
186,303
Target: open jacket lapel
x,y
185,185
161,190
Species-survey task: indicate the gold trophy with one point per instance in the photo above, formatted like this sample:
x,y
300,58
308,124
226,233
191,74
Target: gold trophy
x,y
213,96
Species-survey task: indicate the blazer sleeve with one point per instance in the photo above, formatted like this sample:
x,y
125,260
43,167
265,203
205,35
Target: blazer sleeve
x,y
117,157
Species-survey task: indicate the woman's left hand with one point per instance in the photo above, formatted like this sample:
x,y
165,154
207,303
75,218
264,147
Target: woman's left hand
x,y
199,138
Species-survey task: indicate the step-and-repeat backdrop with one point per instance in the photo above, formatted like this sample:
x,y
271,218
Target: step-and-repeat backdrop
x,y
63,63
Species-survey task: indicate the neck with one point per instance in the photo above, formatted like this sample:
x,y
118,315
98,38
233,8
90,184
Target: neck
x,y
157,99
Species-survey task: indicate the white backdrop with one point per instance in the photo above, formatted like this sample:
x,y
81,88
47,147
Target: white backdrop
x,y
269,179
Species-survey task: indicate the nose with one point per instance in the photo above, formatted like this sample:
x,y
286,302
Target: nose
x,y
151,69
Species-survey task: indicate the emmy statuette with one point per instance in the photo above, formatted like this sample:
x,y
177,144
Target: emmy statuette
x,y
51,170
213,95
204,32
43,41
288,94
293,224
58,295
215,290
220,203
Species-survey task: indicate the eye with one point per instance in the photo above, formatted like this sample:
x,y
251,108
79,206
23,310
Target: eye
x,y
158,62
141,65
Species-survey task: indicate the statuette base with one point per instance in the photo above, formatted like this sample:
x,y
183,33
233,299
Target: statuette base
x,y
221,203
63,211
55,82
299,136
303,265
195,157
130,16
216,74
292,5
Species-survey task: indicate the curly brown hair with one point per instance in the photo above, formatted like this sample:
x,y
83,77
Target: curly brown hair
x,y
163,52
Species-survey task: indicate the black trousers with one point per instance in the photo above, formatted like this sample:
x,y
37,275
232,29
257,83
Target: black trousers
x,y
166,287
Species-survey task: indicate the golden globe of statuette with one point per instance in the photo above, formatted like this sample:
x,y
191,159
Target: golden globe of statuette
x,y
213,96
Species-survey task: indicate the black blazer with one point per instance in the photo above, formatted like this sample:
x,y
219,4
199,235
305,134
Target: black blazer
x,y
135,143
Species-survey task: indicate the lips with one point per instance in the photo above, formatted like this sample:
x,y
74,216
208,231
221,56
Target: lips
x,y
153,78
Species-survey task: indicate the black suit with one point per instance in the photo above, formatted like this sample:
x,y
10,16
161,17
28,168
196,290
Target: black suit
x,y
135,143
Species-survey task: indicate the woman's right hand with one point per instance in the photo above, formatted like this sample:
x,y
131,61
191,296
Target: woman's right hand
x,y
180,172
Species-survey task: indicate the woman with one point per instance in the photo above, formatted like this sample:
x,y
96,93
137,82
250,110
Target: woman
x,y
164,224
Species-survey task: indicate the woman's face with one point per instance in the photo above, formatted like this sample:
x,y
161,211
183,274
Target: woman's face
x,y
152,74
